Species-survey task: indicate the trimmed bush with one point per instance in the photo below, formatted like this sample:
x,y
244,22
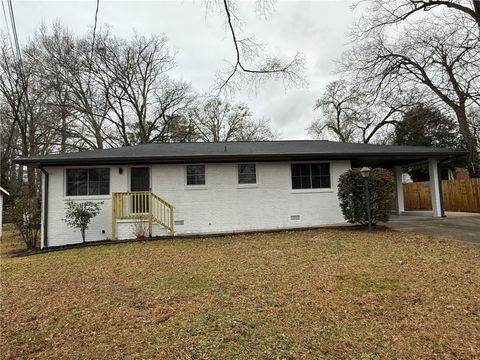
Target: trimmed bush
x,y
351,193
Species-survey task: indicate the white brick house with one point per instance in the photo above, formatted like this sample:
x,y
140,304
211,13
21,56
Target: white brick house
x,y
206,188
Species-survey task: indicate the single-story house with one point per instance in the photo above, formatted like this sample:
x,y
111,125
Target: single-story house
x,y
2,192
206,188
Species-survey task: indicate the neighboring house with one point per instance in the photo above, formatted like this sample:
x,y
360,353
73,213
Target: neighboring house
x,y
2,193
206,188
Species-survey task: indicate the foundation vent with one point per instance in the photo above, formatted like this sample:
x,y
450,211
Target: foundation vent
x,y
295,217
179,222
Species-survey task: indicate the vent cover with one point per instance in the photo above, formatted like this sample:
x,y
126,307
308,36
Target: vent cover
x,y
179,222
294,217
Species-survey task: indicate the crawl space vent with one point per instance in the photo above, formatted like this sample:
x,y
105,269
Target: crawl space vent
x,y
295,217
179,222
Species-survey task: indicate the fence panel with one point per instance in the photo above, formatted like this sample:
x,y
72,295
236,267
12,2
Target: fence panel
x,y
458,195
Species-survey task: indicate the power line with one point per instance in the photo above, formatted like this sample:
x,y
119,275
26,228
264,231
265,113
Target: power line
x,y
93,43
95,26
21,69
15,38
14,30
6,27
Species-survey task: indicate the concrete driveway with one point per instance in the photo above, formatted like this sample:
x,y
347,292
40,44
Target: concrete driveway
x,y
456,226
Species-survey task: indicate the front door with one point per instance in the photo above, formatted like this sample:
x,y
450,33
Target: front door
x,y
139,181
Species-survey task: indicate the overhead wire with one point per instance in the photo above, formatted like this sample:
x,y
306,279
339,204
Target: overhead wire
x,y
21,69
92,50
7,28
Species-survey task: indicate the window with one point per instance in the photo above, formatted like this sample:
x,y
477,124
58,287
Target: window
x,y
247,174
311,176
88,181
195,174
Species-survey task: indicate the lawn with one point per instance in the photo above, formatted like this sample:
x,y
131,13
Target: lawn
x,y
319,294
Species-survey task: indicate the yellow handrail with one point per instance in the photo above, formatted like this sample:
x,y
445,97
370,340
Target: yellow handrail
x,y
141,205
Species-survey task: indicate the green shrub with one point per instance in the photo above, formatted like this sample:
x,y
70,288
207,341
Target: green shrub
x,y
351,193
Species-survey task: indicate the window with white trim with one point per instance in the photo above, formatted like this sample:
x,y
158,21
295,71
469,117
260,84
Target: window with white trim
x,y
311,176
88,181
195,174
247,174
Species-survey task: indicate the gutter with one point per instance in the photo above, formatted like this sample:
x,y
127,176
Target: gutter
x,y
192,158
45,208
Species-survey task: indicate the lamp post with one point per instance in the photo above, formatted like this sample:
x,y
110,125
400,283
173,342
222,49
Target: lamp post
x,y
366,173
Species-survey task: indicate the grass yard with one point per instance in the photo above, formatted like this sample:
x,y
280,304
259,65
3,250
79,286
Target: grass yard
x,y
320,294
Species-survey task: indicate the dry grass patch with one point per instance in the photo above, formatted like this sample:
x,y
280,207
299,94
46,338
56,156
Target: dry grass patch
x,y
328,294
11,243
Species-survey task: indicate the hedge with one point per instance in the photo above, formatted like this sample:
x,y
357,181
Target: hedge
x,y
351,193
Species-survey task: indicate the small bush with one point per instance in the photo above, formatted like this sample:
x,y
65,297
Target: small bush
x,y
351,193
140,229
79,214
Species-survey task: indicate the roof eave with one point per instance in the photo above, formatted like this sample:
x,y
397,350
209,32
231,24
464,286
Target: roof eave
x,y
39,162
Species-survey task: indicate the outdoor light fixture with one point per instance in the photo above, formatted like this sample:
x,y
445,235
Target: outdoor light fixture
x,y
366,173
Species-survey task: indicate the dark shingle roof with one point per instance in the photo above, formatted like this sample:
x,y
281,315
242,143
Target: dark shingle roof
x,y
239,151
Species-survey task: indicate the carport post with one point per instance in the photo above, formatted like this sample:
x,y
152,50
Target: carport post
x,y
400,206
435,187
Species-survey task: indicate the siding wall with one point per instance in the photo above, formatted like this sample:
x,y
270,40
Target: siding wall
x,y
220,206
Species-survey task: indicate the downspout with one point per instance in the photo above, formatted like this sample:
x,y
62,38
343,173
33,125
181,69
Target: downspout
x,y
45,208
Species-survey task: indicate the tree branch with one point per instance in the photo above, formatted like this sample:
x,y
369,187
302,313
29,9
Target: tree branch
x,y
272,68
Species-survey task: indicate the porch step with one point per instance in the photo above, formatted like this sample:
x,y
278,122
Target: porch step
x,y
143,205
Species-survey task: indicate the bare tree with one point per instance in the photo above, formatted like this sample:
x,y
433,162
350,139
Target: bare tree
x,y
215,120
22,98
339,104
142,98
352,114
8,138
50,49
76,99
87,101
381,13
439,58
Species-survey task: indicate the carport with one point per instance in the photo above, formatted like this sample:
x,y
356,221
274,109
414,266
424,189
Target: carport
x,y
435,188
400,164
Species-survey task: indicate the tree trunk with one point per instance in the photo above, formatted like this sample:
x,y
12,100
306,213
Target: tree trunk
x,y
473,163
63,131
476,9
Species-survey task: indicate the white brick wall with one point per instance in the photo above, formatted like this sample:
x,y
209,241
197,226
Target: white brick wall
x,y
220,206
58,231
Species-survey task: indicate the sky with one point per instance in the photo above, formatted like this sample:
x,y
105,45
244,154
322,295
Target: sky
x,y
318,29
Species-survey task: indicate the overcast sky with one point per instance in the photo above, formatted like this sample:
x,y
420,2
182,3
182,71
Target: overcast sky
x,y
318,29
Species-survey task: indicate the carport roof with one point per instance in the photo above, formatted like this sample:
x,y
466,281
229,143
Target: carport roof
x,y
243,151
